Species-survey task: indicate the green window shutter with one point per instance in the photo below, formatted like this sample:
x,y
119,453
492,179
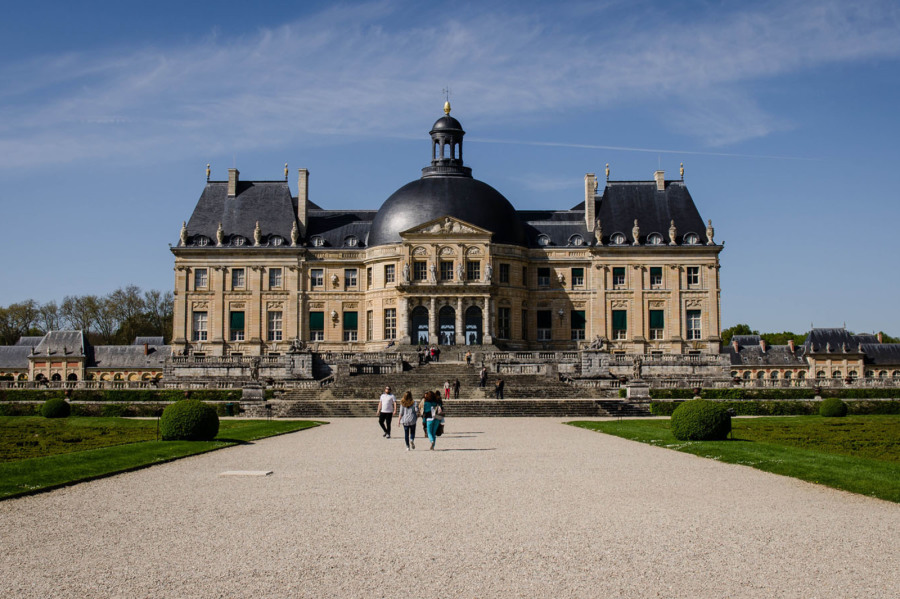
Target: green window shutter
x,y
350,321
316,321
237,321
578,272
578,319
618,271
657,319
544,319
620,320
656,271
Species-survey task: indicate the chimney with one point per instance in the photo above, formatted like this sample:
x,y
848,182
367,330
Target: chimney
x,y
737,348
590,190
302,198
233,174
660,177
880,337
791,345
146,349
762,345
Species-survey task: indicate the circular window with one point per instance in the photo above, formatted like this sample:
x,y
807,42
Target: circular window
x,y
276,240
691,239
543,240
617,239
576,240
655,239
238,240
318,241
351,241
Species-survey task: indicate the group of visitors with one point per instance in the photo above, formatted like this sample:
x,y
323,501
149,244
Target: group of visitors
x,y
430,409
429,354
455,385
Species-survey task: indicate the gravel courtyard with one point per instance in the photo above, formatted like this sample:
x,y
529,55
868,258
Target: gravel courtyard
x,y
503,508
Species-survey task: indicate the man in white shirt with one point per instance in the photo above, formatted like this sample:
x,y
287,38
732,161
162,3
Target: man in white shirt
x,y
386,409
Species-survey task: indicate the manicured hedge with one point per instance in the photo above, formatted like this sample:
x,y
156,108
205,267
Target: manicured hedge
x,y
125,395
763,394
832,408
784,408
56,408
700,420
189,420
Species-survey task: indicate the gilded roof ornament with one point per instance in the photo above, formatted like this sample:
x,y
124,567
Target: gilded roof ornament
x,y
447,107
207,171
681,170
607,171
285,171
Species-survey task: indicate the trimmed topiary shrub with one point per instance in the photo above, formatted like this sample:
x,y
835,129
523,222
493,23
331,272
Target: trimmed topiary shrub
x,y
189,420
56,408
832,408
700,420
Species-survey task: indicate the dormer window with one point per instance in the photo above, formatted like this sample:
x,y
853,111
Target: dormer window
x,y
654,239
543,240
576,240
617,239
351,241
318,241
276,240
691,239
201,240
238,240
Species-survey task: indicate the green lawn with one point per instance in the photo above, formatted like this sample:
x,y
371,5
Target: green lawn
x,y
38,454
860,454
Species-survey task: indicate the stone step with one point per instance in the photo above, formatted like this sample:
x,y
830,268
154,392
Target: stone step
x,y
467,408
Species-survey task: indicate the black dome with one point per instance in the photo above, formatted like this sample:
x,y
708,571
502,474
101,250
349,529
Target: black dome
x,y
446,122
432,197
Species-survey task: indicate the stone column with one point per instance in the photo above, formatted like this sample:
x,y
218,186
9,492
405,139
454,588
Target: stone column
x,y
432,322
302,334
488,319
403,321
460,323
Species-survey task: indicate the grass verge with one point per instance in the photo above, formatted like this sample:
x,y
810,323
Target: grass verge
x,y
860,454
56,469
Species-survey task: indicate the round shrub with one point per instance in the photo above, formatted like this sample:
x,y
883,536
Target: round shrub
x,y
56,408
833,408
700,420
189,420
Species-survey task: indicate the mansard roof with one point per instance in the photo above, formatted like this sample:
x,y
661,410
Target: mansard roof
x,y
746,340
775,355
30,341
818,340
334,226
68,344
887,354
14,356
148,340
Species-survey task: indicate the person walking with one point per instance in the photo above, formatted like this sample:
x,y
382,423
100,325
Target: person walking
x,y
437,354
468,358
386,409
447,389
435,419
408,417
498,392
483,377
427,404
456,389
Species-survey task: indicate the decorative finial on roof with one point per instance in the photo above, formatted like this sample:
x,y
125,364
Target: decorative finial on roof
x,y
447,107
681,170
446,91
207,171
607,171
710,232
285,171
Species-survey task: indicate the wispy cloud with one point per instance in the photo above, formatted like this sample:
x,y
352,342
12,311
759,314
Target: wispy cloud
x,y
353,71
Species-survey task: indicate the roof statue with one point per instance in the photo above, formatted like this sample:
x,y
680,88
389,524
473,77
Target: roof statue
x,y
598,232
207,171
607,171
710,232
285,171
295,234
220,235
257,234
681,170
636,233
184,235
673,233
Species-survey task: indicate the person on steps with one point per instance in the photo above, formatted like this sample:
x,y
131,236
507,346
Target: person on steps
x,y
498,392
456,386
447,389
386,408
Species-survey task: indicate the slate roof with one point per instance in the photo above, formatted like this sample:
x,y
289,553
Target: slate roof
x,y
775,355
62,343
129,356
746,340
334,226
14,356
817,340
269,202
30,341
148,341
882,354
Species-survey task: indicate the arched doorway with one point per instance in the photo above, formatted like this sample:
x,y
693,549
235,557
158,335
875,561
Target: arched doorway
x,y
56,377
473,325
72,377
447,326
419,325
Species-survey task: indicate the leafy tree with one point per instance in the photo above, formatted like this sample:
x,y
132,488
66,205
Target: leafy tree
x,y
49,317
885,338
738,329
80,312
783,337
18,319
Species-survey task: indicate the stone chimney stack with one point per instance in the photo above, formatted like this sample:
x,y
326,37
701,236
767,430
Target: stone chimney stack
x,y
660,177
233,175
590,190
302,198
880,337
791,345
762,345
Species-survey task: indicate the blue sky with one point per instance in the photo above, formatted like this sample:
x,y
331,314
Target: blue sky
x,y
784,114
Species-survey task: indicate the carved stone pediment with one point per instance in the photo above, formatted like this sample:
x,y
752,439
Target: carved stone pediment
x,y
445,225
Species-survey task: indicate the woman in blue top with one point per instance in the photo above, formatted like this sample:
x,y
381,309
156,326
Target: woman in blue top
x,y
435,418
425,410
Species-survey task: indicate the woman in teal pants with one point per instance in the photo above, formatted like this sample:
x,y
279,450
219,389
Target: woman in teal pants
x,y
435,418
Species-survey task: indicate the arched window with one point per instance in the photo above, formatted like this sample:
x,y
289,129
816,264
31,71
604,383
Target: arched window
x,y
774,376
317,241
691,239
788,375
276,240
118,376
201,240
56,377
23,377
576,240
351,241
617,239
760,375
852,374
836,374
734,373
746,375
801,375
654,239
72,377
145,376
543,240
870,374
820,374
882,374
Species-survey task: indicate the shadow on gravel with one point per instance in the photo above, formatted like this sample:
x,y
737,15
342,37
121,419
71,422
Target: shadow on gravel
x,y
472,449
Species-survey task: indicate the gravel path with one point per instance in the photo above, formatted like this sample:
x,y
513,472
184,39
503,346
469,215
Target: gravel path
x,y
505,508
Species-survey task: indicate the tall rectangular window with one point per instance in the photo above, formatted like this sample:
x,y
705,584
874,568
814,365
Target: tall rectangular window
x,y
317,277
693,277
693,324
236,326
317,326
446,270
543,277
620,324
390,323
544,325
351,322
349,278
201,278
388,273
577,277
579,323
473,270
237,278
504,321
370,325
274,328
618,277
274,278
420,270
198,327
524,324
656,277
524,276
504,273
369,278
657,324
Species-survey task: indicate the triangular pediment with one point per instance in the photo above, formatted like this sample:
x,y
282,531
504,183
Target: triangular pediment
x,y
444,226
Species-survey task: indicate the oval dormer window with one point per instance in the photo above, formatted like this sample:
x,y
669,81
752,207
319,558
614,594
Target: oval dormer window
x,y
201,240
317,241
276,240
543,240
351,241
654,239
617,239
238,241
691,239
576,240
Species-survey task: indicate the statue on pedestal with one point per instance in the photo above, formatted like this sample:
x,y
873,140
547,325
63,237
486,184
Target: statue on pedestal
x,y
636,368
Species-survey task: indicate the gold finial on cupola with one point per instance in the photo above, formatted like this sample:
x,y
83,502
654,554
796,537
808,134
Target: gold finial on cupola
x,y
447,107
682,171
285,171
607,171
207,171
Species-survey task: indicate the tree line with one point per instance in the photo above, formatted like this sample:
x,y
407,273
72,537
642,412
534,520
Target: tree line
x,y
112,319
779,338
